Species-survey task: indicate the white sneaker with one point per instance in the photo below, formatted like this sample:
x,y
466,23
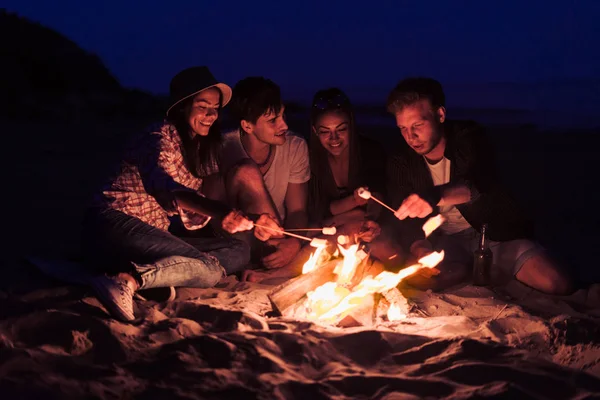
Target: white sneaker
x,y
116,295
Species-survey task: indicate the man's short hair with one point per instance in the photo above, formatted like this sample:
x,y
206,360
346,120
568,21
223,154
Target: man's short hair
x,y
255,96
411,90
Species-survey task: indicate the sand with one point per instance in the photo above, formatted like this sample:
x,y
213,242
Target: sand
x,y
58,342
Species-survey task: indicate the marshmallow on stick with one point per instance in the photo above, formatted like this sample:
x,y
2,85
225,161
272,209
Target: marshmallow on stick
x,y
365,194
328,230
316,242
432,224
343,239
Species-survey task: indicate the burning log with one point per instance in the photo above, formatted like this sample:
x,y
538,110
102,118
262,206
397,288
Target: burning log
x,y
399,307
350,290
291,292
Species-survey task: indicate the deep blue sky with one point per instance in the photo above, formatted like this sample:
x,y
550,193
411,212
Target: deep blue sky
x,y
305,45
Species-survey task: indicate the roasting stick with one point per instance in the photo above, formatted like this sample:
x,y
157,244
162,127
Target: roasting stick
x,y
328,230
285,233
365,194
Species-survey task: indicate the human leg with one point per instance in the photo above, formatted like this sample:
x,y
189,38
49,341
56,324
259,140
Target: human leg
x,y
531,265
118,243
135,255
233,254
245,189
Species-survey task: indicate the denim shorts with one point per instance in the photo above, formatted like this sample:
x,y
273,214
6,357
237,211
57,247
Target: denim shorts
x,y
509,256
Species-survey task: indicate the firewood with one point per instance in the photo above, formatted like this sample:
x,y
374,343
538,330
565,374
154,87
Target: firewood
x,y
363,315
291,292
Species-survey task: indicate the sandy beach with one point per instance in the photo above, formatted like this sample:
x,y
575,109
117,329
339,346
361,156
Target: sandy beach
x,y
509,342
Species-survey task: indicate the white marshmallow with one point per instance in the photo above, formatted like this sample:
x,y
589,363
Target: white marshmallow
x,y
343,239
364,193
316,242
329,230
432,224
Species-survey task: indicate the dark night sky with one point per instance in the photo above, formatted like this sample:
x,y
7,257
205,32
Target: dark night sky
x,y
305,45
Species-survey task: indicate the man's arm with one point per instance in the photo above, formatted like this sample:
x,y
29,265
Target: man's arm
x,y
399,187
295,205
295,202
296,217
475,175
475,169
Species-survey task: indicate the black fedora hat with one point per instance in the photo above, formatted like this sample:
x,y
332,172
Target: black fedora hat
x,y
192,81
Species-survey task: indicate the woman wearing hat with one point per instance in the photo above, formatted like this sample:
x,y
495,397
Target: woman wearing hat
x,y
125,236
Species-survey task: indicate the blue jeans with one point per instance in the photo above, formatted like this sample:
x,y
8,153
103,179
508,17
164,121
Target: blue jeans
x,y
115,242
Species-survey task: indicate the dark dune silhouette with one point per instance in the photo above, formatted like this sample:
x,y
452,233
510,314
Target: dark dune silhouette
x,y
48,76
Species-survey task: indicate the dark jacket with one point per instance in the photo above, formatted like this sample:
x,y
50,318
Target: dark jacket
x,y
372,160
472,163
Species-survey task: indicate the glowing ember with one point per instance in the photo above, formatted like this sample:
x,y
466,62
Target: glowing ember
x,y
432,259
432,224
311,264
395,313
367,287
346,269
332,301
324,298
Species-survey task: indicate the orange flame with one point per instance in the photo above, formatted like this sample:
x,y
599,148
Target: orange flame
x,y
432,224
395,313
384,281
311,264
347,268
332,301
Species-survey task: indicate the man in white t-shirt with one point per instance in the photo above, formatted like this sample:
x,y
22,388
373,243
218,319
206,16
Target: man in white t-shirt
x,y
440,174
281,157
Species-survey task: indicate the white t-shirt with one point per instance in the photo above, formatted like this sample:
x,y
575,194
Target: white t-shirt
x,y
290,164
455,222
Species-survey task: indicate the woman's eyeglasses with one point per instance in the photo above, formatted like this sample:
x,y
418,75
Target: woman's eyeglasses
x,y
337,101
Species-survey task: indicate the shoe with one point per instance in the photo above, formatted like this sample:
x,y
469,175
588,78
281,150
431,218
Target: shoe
x,y
159,294
116,295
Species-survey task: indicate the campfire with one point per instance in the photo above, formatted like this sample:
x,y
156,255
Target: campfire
x,y
338,288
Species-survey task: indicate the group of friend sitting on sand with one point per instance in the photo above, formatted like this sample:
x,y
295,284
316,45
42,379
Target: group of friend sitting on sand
x,y
190,204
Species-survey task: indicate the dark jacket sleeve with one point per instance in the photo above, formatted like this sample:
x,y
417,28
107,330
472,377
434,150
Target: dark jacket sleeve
x,y
374,161
491,201
477,164
399,186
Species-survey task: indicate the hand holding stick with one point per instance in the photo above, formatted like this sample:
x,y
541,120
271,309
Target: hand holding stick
x,y
284,232
365,194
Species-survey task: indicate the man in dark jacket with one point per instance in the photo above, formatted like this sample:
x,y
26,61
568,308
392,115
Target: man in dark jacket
x,y
448,168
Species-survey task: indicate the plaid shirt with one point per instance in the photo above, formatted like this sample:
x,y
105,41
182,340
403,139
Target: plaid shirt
x,y
152,169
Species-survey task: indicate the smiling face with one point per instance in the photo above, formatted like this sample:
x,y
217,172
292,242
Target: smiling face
x,y
333,130
270,128
204,110
421,126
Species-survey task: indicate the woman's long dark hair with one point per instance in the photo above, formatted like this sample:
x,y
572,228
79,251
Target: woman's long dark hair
x,y
323,188
200,153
